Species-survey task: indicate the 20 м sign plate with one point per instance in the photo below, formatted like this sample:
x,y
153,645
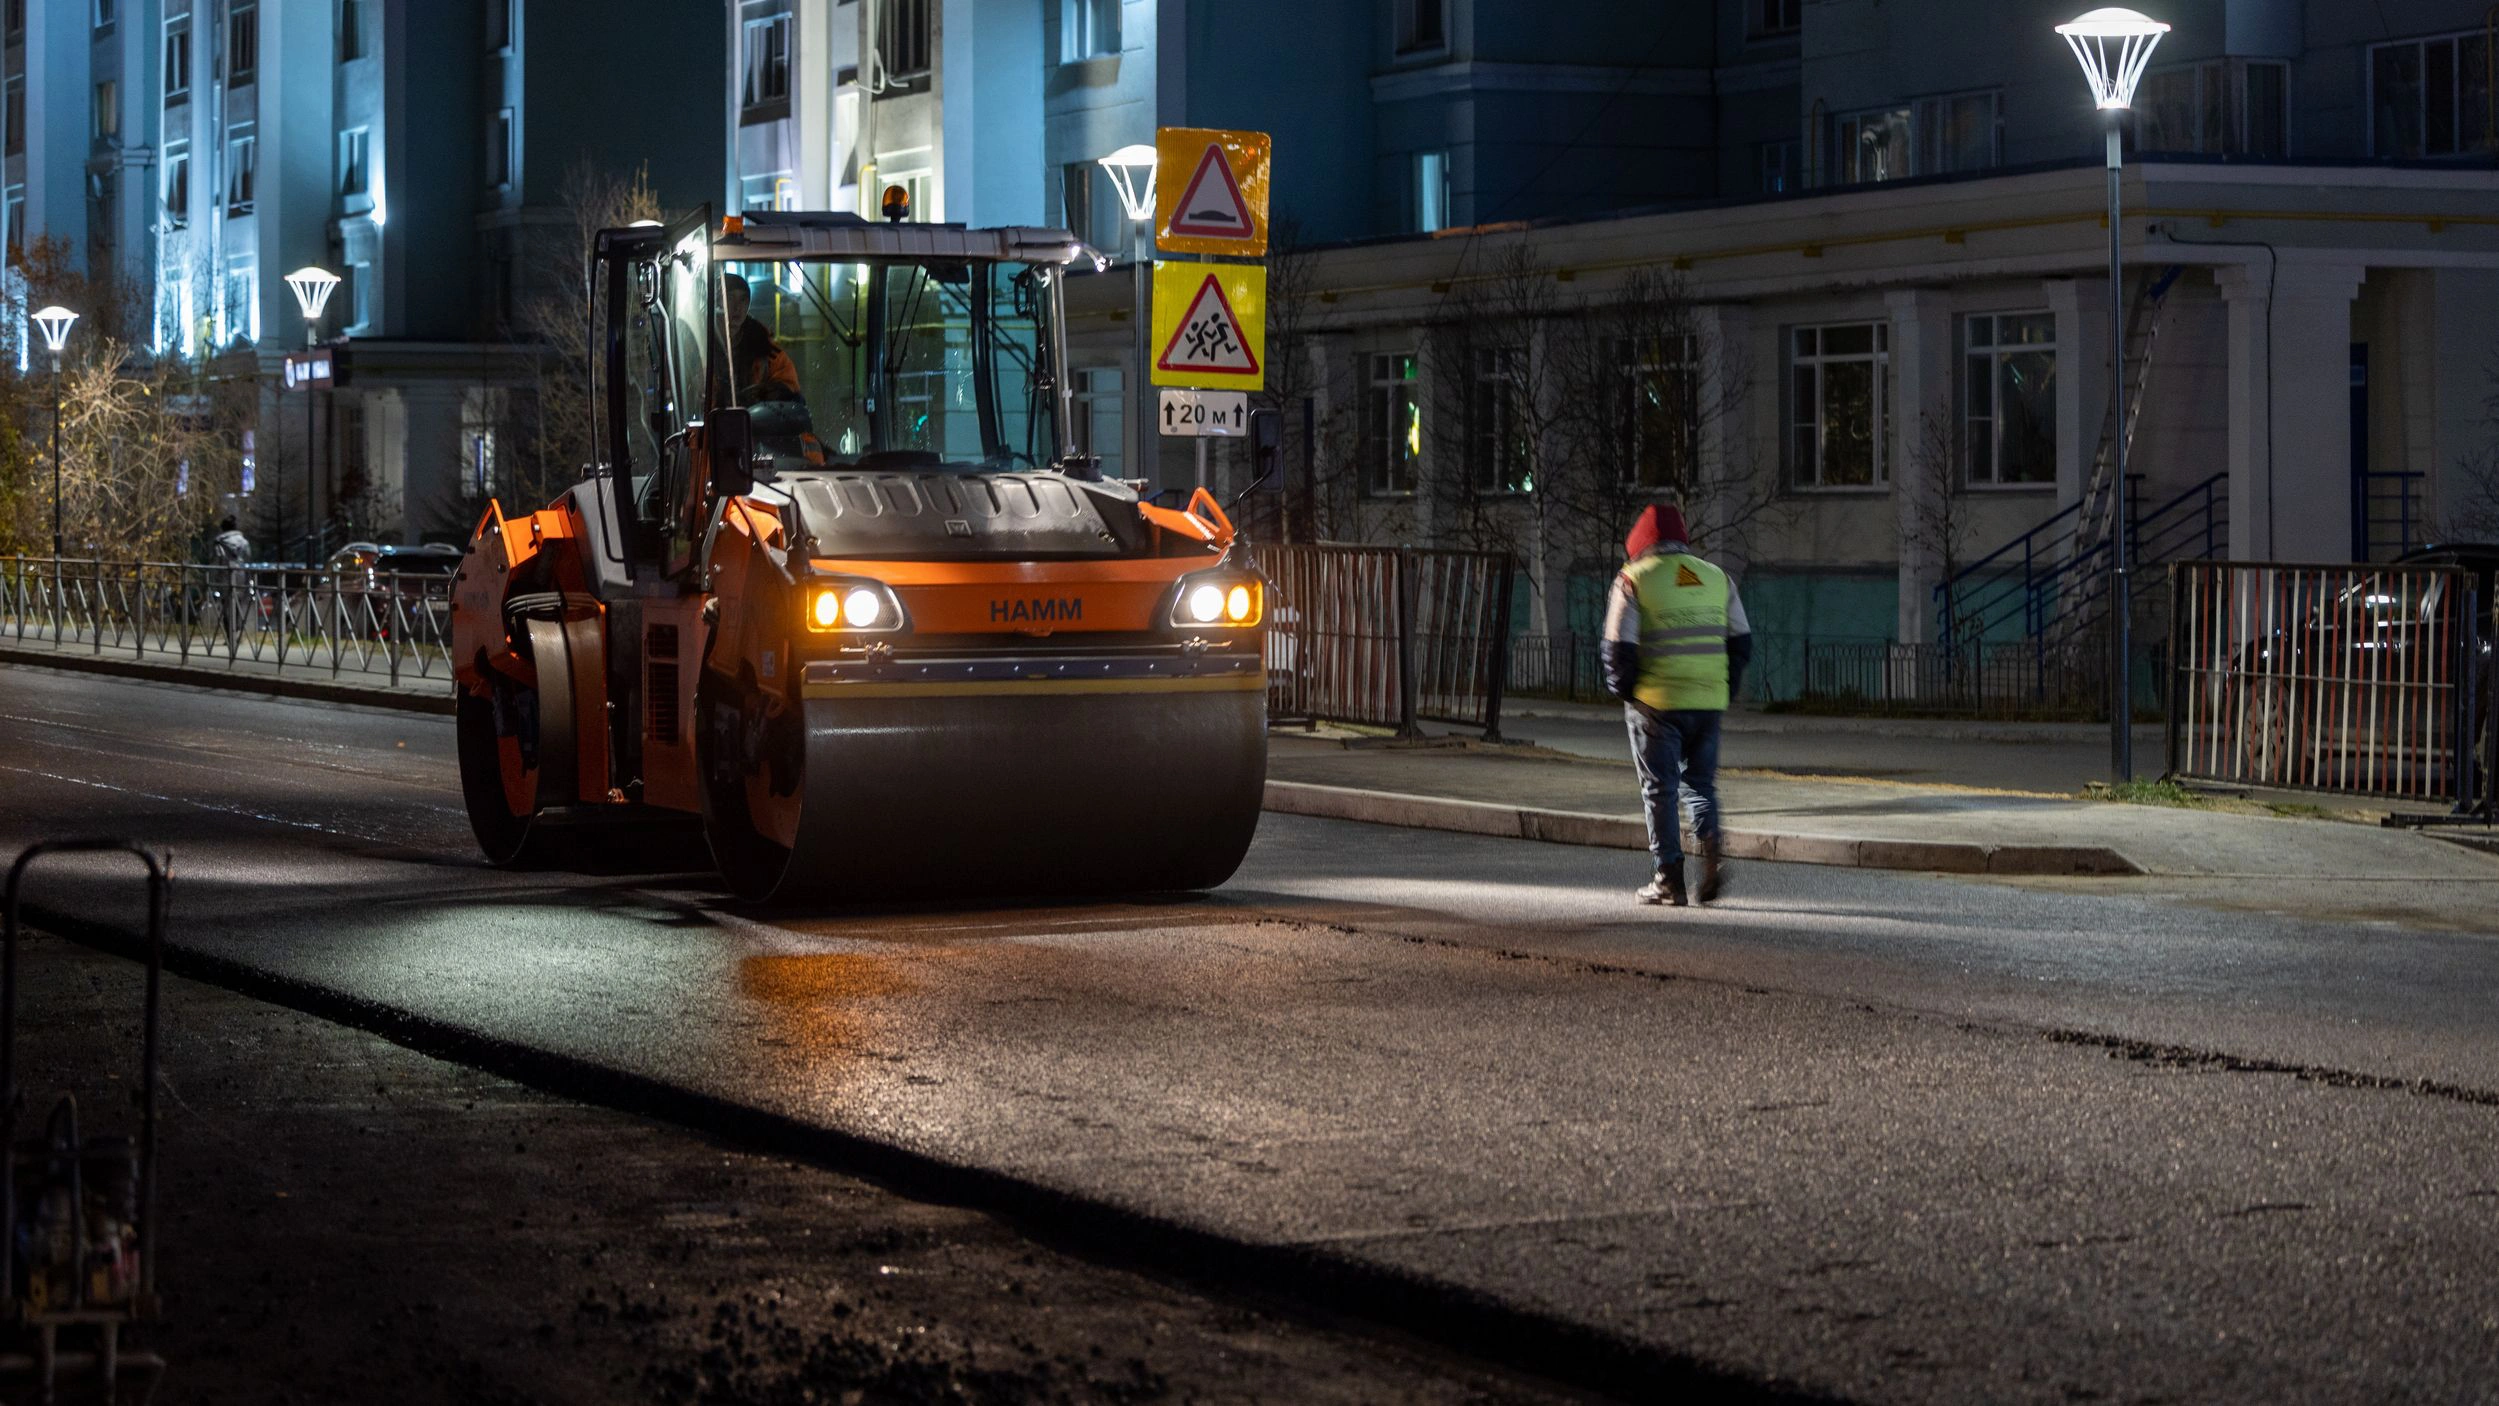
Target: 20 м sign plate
x,y
1210,326
1210,191
1204,414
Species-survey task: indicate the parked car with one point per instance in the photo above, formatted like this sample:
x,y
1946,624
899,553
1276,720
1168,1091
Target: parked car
x,y
370,576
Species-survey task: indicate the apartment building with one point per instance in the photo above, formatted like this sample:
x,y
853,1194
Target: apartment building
x,y
202,149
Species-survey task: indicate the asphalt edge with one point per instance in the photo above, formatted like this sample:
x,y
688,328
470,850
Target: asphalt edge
x,y
1308,1279
306,690
1571,827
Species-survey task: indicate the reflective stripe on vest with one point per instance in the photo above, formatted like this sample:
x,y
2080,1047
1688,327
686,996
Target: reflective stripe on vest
x,y
1683,632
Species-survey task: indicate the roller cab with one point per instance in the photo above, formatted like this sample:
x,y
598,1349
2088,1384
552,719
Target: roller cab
x,y
840,587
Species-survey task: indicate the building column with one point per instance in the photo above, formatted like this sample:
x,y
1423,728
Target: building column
x,y
1923,464
2290,409
2080,306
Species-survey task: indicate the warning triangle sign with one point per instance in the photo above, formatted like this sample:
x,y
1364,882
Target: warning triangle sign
x,y
1211,205
1209,337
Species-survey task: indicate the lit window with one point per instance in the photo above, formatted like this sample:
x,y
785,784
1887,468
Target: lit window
x,y
352,146
1840,405
1776,17
240,155
902,40
1431,191
1781,170
107,110
1961,132
177,62
2008,398
2430,97
1870,146
1496,445
242,46
1657,398
766,61
177,189
1392,425
1088,29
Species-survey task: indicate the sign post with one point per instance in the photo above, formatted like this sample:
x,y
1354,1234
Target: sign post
x,y
1210,317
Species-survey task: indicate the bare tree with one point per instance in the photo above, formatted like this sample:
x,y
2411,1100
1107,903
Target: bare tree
x,y
550,429
2469,510
1938,524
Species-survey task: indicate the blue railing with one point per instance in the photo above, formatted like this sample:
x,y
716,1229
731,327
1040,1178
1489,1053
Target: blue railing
x,y
2056,588
2387,521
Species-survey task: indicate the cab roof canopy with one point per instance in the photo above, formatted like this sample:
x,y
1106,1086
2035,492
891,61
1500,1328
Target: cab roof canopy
x,y
784,235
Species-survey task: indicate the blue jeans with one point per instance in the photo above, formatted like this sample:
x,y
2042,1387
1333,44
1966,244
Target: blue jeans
x,y
1672,748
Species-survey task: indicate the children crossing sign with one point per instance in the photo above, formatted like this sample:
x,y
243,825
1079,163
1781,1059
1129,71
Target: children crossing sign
x,y
1210,325
1210,191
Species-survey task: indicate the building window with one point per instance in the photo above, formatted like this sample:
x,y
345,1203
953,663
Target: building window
x,y
1392,425
352,145
106,11
1960,132
499,26
1431,191
1497,460
177,188
902,41
242,45
107,110
15,116
242,306
1089,204
2430,97
1658,411
240,154
499,159
2008,397
479,410
1870,146
2228,107
177,62
1781,170
15,219
16,21
360,297
1422,25
352,40
1088,29
1839,405
765,59
1099,406
1776,17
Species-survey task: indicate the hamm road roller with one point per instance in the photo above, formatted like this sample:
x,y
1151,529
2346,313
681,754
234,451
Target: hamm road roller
x,y
840,584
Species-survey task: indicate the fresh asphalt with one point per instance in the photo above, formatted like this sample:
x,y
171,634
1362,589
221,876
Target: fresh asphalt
x,y
1871,1135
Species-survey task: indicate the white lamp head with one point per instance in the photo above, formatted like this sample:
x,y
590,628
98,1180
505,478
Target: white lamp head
x,y
1132,170
54,323
313,287
2114,47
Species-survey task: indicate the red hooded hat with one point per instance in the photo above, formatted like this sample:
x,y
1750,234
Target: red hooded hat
x,y
1659,522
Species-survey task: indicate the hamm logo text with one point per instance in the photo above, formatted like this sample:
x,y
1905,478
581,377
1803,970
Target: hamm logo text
x,y
1035,612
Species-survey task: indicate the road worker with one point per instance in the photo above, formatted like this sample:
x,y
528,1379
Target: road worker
x,y
762,370
1676,643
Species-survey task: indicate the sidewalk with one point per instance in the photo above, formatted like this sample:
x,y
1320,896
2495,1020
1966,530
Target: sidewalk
x,y
315,682
1537,793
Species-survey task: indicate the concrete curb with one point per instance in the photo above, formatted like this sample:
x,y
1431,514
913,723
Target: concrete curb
x,y
1627,832
276,686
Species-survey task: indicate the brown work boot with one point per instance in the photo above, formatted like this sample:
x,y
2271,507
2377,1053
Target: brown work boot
x,y
1713,870
1666,887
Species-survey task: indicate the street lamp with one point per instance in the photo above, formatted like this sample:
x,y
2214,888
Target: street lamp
x,y
54,323
313,287
2114,46
1132,171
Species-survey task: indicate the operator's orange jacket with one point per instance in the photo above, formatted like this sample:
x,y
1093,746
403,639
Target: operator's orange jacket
x,y
761,367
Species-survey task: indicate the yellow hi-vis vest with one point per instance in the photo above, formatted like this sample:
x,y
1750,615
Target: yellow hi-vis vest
x,y
1683,632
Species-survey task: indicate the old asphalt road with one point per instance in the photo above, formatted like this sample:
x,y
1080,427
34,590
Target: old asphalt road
x,y
1853,1134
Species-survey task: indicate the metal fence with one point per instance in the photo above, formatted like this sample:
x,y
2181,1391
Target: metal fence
x,y
1883,676
393,624
2358,679
1564,665
1387,635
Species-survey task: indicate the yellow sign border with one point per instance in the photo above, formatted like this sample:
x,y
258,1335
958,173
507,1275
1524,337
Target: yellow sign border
x,y
1244,289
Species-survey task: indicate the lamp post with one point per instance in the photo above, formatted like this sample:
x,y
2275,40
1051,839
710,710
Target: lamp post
x,y
54,323
2114,46
313,286
1132,171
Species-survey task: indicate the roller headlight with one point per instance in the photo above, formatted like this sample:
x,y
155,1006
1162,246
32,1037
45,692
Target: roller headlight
x,y
852,604
1221,599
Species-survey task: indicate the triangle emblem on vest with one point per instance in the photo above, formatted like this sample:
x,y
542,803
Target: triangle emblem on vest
x,y
1686,576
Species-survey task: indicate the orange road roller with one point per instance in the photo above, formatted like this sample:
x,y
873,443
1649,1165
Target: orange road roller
x,y
841,584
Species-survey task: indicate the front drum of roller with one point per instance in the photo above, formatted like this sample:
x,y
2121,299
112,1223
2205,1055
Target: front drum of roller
x,y
918,791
